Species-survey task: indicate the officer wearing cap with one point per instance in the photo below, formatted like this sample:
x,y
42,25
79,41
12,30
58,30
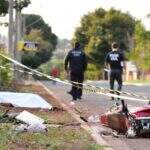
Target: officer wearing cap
x,y
75,65
115,61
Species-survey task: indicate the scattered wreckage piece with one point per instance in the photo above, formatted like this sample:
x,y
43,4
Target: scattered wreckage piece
x,y
31,128
28,100
29,118
24,121
32,122
134,123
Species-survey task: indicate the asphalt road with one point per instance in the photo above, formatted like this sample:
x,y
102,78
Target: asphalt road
x,y
97,104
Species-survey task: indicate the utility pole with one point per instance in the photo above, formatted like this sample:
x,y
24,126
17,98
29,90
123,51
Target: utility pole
x,y
15,43
11,30
18,33
11,34
18,37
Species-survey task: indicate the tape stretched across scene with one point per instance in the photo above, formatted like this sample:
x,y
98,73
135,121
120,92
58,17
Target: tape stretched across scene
x,y
87,87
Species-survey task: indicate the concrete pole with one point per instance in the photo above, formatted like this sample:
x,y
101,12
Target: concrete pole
x,y
15,43
11,34
10,30
18,37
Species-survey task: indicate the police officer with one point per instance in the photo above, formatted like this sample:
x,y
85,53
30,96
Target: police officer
x,y
76,64
115,61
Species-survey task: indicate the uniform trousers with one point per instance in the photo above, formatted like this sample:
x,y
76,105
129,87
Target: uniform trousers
x,y
76,76
116,75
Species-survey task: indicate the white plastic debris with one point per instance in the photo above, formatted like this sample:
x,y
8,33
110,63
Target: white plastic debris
x,y
29,118
130,133
72,103
31,128
37,128
32,123
21,128
94,119
24,100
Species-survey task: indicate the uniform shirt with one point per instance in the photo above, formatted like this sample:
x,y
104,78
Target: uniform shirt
x,y
76,59
115,59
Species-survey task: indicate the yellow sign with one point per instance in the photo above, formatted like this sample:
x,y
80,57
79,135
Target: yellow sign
x,y
27,46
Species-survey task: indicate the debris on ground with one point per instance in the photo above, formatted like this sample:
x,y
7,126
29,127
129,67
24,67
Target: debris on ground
x,y
135,123
93,119
24,100
64,132
29,118
6,117
31,128
32,123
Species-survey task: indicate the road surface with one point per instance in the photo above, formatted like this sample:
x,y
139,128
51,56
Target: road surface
x,y
96,104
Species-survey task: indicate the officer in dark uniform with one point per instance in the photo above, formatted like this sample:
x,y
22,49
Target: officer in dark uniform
x,y
76,64
115,61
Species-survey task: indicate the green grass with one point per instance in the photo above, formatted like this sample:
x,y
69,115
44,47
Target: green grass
x,y
62,138
59,118
54,139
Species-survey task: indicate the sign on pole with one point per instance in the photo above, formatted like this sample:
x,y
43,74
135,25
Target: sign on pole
x,y
27,46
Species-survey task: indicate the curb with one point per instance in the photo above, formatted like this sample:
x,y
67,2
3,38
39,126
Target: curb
x,y
96,137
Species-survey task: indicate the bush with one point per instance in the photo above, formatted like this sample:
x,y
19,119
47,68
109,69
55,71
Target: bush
x,y
92,72
47,67
31,60
6,74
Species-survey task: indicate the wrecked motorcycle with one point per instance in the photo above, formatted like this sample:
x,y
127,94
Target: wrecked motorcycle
x,y
133,122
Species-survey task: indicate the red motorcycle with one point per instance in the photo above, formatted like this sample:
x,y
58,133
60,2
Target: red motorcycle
x,y
132,122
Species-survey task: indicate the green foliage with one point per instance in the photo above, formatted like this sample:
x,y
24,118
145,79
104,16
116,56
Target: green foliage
x,y
100,28
38,31
54,139
19,5
141,52
92,72
31,60
4,7
37,22
47,67
44,48
5,73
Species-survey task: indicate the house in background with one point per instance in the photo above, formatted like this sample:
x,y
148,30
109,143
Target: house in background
x,y
131,71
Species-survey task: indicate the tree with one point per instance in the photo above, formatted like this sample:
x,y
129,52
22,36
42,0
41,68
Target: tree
x,y
141,52
100,28
4,4
38,31
37,22
4,7
43,54
19,5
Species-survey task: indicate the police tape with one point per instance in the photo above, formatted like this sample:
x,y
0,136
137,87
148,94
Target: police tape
x,y
94,89
97,91
91,86
120,92
126,93
85,88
